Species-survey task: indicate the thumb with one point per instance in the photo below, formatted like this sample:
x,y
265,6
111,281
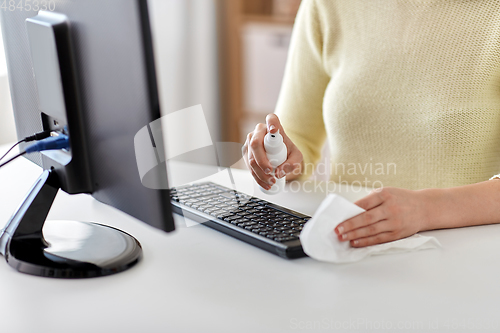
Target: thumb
x,y
292,164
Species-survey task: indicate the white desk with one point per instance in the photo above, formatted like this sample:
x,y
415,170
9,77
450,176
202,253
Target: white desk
x,y
199,280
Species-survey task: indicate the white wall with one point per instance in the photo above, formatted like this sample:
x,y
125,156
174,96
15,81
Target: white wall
x,y
7,127
185,41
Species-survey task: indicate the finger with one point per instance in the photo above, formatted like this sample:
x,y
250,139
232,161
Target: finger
x,y
258,150
259,181
362,220
273,123
370,230
372,200
383,237
259,174
244,149
293,162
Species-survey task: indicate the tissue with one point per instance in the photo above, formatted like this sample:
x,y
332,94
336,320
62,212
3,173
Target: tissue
x,y
320,241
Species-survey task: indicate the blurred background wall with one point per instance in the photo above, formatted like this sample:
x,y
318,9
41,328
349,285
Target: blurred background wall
x,y
186,53
254,41
227,55
7,127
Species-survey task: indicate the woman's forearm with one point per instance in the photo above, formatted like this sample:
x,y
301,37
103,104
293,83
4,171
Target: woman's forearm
x,y
462,206
395,213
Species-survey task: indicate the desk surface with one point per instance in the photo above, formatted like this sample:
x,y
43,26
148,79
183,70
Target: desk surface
x,y
199,280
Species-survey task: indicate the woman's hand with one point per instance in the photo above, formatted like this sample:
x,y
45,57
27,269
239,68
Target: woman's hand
x,y
391,214
256,160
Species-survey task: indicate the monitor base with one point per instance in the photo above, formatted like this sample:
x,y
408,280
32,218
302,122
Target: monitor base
x,y
63,249
75,250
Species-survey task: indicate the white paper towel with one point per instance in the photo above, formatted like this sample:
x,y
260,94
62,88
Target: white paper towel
x,y
320,241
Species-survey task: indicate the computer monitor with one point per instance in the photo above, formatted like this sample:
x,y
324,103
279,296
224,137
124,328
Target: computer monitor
x,y
84,68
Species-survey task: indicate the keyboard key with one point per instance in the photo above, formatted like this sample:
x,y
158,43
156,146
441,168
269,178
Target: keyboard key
x,y
283,239
228,195
216,213
250,223
242,213
215,191
224,215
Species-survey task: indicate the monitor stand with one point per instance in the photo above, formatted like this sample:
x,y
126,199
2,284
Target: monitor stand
x,y
63,249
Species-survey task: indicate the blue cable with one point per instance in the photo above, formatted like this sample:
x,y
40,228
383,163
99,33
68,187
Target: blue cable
x,y
51,143
54,142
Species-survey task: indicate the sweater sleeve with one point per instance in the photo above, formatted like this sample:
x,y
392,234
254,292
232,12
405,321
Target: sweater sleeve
x,y
300,104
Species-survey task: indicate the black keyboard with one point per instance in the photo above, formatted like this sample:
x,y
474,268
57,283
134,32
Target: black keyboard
x,y
261,223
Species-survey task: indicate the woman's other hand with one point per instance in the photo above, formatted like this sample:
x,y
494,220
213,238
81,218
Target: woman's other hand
x,y
391,214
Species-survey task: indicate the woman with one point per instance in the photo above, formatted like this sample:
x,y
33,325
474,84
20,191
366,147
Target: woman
x,y
412,83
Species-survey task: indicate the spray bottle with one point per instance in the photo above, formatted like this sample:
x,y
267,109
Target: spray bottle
x,y
276,154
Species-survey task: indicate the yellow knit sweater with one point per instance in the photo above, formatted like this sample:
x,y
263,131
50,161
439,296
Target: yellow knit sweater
x,y
406,91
